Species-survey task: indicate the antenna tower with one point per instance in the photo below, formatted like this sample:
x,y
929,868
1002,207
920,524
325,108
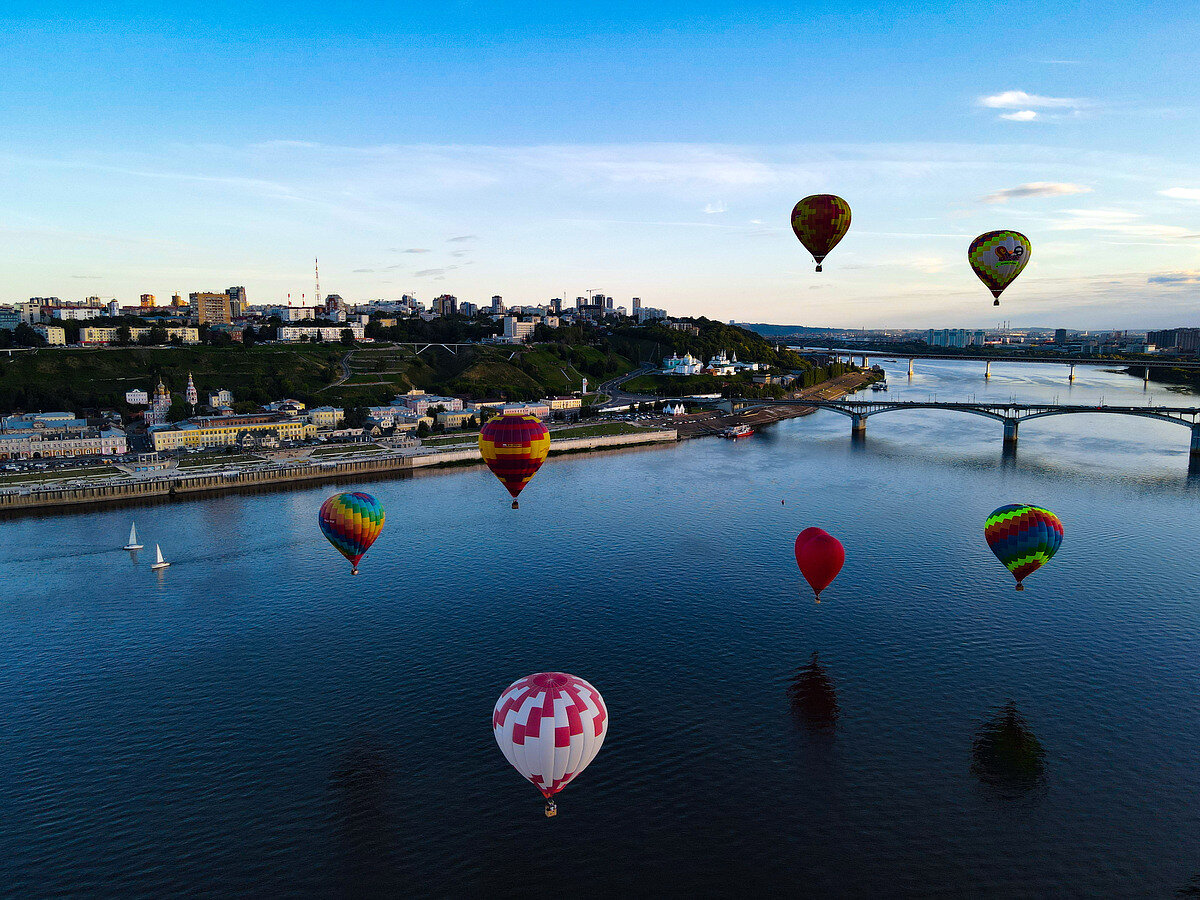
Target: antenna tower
x,y
317,276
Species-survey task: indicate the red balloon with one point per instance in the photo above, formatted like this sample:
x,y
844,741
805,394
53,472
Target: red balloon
x,y
820,557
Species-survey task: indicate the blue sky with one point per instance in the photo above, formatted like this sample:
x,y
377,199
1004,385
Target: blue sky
x,y
642,149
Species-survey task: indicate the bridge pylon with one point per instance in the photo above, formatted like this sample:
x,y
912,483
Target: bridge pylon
x,y
910,367
858,426
1010,431
987,369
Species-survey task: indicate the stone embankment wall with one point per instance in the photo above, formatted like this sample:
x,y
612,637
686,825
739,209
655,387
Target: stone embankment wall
x,y
182,485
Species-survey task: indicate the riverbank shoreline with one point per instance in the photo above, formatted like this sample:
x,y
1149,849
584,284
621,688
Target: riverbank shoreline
x,y
178,486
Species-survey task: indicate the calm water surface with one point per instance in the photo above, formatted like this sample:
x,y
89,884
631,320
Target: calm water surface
x,y
254,721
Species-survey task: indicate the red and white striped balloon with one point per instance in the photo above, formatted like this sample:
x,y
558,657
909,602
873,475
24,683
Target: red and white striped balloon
x,y
549,727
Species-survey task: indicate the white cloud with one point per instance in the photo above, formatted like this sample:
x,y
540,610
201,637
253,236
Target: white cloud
x,y
1118,221
1037,189
1024,115
1024,101
717,207
1179,193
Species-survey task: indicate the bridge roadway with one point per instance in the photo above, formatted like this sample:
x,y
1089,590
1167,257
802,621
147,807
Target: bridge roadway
x,y
1010,414
987,360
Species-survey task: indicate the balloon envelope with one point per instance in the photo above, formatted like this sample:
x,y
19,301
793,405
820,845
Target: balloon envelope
x,y
351,522
550,726
998,257
820,557
514,447
1023,537
820,221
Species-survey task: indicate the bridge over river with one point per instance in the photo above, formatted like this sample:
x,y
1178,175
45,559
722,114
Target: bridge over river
x,y
987,359
1010,414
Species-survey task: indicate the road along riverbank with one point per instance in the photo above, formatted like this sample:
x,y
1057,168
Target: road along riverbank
x,y
710,423
178,485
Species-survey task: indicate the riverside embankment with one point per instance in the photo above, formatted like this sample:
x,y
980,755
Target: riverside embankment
x,y
180,484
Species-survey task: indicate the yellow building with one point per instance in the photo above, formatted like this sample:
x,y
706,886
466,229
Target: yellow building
x,y
95,334
211,308
231,431
455,418
147,300
55,335
326,416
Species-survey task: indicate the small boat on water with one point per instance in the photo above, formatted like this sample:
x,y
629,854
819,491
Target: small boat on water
x,y
737,431
879,386
159,563
133,539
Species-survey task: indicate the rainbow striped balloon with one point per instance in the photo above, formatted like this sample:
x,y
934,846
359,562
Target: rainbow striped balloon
x,y
351,522
1023,537
514,446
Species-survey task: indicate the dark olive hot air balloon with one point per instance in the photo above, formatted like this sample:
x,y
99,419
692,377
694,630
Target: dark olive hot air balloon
x,y
820,221
514,446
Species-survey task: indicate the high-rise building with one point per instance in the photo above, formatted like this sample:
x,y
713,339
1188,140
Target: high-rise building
x,y
147,300
497,305
1060,335
556,305
608,302
637,304
445,305
176,300
210,308
237,301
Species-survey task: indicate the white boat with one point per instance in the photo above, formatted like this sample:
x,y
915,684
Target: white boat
x,y
133,539
159,563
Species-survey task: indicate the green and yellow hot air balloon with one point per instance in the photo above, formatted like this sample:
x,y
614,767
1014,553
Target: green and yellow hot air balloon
x,y
998,257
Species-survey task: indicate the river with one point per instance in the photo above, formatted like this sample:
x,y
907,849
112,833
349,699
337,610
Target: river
x,y
255,721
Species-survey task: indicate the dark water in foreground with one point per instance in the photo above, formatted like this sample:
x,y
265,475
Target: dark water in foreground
x,y
254,721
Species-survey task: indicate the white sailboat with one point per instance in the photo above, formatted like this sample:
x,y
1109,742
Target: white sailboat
x,y
159,563
133,539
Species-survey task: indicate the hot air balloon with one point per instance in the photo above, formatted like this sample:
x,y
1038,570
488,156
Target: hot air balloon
x,y
514,446
351,522
998,258
550,726
820,557
820,221
1023,537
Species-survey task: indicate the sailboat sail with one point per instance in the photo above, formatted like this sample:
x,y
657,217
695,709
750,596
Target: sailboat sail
x,y
132,535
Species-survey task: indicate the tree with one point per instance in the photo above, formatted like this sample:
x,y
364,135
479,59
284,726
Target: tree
x,y
249,336
347,336
179,411
25,336
124,336
423,429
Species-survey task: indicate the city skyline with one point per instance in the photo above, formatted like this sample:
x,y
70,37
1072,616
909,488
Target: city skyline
x,y
652,153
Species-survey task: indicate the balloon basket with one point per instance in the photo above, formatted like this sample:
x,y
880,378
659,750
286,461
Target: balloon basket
x,y
818,267
1020,587
551,809
996,302
516,505
354,571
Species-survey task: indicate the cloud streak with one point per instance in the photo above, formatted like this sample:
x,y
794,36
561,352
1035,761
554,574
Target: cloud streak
x,y
1036,189
1181,193
1025,106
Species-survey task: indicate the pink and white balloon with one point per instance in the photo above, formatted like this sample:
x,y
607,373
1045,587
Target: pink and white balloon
x,y
549,727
